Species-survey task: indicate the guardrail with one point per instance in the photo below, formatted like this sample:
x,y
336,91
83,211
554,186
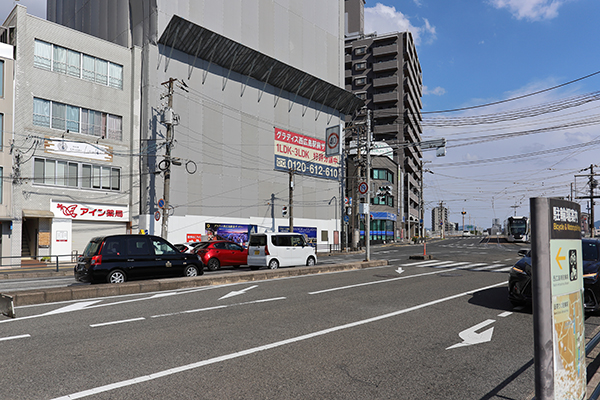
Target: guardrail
x,y
49,260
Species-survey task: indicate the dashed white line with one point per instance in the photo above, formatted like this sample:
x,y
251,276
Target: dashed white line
x,y
14,337
117,322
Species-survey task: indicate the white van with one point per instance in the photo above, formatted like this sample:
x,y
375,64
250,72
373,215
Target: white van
x,y
274,250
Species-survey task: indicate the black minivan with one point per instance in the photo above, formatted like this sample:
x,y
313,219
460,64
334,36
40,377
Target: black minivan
x,y
119,258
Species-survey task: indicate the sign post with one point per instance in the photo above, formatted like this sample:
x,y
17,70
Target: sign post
x,y
558,315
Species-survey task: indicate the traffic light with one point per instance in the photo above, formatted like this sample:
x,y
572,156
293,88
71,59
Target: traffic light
x,y
284,211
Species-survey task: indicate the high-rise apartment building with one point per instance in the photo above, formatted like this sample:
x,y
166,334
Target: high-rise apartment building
x,y
439,219
384,71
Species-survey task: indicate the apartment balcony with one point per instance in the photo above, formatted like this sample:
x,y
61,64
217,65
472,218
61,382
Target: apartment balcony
x,y
386,97
391,112
388,50
386,129
391,65
393,80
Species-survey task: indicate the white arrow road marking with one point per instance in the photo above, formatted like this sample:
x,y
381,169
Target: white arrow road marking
x,y
14,337
72,307
399,270
237,292
470,336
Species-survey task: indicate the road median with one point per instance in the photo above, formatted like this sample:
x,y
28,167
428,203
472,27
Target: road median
x,y
51,295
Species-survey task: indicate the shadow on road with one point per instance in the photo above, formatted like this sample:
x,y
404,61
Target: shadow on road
x,y
496,299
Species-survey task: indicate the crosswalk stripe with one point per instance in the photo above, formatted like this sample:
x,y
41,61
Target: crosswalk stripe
x,y
488,267
423,263
471,266
503,269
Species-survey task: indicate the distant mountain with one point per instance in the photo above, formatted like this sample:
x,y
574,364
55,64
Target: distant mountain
x,y
597,224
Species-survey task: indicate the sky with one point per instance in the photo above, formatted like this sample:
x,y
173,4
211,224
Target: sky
x,y
479,52
488,52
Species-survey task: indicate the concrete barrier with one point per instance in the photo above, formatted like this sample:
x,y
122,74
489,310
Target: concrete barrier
x,y
6,306
40,296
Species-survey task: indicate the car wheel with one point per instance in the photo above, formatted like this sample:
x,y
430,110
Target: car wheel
x,y
191,270
311,261
116,276
213,264
273,264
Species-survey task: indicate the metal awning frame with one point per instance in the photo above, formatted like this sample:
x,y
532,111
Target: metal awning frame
x,y
199,42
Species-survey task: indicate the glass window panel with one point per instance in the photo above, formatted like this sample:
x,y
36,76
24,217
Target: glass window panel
x,y
116,179
61,173
115,73
41,112
60,60
96,177
86,176
1,78
88,68
38,170
103,126
49,178
72,119
59,114
42,57
72,176
115,126
105,178
74,63
85,128
1,131
101,71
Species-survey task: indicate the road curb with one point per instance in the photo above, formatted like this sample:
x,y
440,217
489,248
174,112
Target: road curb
x,y
41,296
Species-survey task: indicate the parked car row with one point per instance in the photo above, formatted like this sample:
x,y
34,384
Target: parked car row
x,y
119,258
519,281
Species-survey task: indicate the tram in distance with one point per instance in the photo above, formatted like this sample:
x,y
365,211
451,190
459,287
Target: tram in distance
x,y
517,229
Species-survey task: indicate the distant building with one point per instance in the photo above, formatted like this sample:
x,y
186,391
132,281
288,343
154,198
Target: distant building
x,y
439,219
384,71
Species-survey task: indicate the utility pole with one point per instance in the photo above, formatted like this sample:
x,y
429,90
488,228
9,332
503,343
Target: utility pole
x,y
593,184
168,119
291,196
463,212
368,173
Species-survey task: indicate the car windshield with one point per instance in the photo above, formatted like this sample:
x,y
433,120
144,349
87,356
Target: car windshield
x,y
91,249
202,245
590,251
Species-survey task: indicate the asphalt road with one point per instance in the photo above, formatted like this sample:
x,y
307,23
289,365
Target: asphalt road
x,y
440,329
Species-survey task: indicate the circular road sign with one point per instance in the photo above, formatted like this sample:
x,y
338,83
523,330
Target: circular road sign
x,y
157,215
161,203
363,187
333,140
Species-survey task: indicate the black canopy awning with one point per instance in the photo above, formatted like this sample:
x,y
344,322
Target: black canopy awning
x,y
200,42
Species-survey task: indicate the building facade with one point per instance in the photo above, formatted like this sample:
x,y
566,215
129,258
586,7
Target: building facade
x,y
73,138
439,220
255,85
7,65
384,71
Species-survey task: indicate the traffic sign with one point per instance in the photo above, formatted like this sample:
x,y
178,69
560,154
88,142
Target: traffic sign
x,y
157,215
363,187
161,203
346,219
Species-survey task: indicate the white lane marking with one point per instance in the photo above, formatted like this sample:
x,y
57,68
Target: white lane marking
x,y
471,337
14,337
73,307
218,307
382,281
488,267
502,269
505,314
183,368
237,292
117,322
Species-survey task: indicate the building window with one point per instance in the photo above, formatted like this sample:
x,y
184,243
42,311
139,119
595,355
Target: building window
x,y
77,120
359,51
382,174
385,200
361,66
361,95
1,134
1,78
70,62
360,81
75,175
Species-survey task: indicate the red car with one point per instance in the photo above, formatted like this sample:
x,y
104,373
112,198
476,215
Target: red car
x,y
217,253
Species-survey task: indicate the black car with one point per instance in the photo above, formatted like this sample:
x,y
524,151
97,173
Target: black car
x,y
519,281
119,258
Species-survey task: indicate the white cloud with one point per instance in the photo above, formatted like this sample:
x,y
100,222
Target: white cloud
x,y
438,91
385,19
534,10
